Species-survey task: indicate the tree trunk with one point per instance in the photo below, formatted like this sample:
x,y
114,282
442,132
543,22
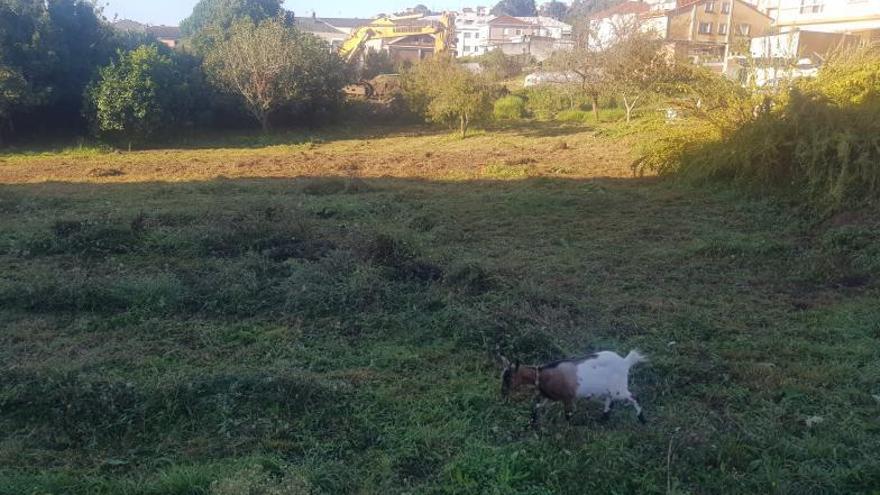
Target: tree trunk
x,y
596,107
264,122
464,125
630,106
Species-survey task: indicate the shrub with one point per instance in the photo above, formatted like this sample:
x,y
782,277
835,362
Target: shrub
x,y
819,140
498,66
575,116
134,98
462,98
544,102
510,108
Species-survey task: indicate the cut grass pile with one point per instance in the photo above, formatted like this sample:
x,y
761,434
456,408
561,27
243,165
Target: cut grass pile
x,y
332,330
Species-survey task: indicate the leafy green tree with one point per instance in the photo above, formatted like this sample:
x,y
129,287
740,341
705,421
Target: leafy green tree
x,y
211,20
133,99
271,66
13,89
580,10
516,8
445,92
55,46
555,9
498,66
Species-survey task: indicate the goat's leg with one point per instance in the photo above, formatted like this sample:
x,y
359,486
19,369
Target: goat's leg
x,y
633,402
606,411
536,410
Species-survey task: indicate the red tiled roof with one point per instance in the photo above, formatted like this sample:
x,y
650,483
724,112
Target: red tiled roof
x,y
624,8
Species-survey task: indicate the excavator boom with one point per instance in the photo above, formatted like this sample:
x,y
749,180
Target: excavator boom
x,y
387,27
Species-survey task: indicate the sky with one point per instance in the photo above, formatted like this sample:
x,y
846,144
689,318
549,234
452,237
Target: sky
x,y
171,12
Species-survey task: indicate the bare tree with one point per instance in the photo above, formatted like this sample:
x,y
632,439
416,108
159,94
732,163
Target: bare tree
x,y
272,65
637,67
584,65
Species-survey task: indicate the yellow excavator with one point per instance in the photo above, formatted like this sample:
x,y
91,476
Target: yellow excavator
x,y
442,31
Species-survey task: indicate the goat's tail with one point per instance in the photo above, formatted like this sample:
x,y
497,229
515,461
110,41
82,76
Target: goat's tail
x,y
634,357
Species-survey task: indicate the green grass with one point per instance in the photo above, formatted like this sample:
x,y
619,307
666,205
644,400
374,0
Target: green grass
x,y
336,334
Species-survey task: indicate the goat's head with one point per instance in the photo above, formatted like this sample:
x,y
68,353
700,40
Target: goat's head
x,y
509,377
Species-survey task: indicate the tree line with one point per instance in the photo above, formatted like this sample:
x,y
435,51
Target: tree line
x,y
65,69
576,11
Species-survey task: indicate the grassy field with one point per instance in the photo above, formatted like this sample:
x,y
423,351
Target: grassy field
x,y
320,314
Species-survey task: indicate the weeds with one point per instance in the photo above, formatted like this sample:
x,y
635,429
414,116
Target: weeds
x,y
816,142
235,336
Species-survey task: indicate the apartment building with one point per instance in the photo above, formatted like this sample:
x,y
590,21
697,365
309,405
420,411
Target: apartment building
x,y
472,31
855,17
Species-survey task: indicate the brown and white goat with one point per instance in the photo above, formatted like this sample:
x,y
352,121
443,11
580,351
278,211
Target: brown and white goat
x,y
602,376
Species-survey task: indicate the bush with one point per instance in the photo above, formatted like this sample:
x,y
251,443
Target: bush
x,y
544,102
135,98
463,98
498,66
510,108
580,116
818,141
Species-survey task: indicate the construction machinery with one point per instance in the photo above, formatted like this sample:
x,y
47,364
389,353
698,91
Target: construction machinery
x,y
442,30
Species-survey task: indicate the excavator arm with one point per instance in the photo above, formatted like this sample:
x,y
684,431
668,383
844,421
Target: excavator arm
x,y
385,27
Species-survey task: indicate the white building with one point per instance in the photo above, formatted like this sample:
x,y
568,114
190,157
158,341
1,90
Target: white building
x,y
859,17
478,32
472,31
549,27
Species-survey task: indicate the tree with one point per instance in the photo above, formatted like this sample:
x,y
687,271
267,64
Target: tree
x,y
223,14
515,8
272,66
55,46
420,9
445,92
581,10
555,9
13,89
376,63
497,66
637,67
212,20
585,64
134,98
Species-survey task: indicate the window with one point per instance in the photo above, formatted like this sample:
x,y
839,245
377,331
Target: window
x,y
476,35
725,8
744,29
710,7
705,28
519,31
722,28
812,6
467,35
506,30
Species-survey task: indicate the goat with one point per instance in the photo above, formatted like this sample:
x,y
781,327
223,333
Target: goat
x,y
601,376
